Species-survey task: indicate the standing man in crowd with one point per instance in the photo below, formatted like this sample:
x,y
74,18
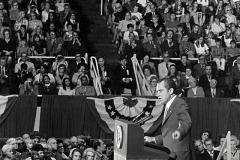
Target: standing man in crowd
x,y
176,122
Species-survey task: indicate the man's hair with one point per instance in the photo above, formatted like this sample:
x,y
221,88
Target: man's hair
x,y
208,139
96,143
130,25
50,139
169,83
184,55
198,140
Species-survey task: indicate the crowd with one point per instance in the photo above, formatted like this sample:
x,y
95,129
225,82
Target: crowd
x,y
36,146
204,29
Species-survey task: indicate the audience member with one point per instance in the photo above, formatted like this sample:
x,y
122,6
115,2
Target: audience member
x,y
213,92
163,68
47,88
67,88
5,77
194,90
85,89
204,80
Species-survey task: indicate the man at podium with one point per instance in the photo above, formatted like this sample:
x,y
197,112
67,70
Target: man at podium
x,y
176,122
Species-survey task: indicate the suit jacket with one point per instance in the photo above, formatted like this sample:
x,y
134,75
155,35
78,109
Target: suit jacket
x,y
129,51
199,93
219,93
198,70
172,50
154,49
148,18
54,48
204,82
206,155
121,73
6,80
235,74
177,118
163,70
74,68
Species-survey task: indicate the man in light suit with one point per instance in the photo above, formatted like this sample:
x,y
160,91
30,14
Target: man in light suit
x,y
163,68
176,122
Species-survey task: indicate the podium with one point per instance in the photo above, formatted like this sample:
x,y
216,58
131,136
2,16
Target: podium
x,y
129,144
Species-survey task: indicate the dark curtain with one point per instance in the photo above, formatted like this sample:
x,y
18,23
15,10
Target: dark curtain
x,y
62,116
19,116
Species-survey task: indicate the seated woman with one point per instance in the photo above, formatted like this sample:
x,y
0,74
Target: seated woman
x,y
61,75
23,48
47,88
201,47
147,73
67,88
76,75
38,79
153,85
184,79
85,89
146,61
88,154
194,90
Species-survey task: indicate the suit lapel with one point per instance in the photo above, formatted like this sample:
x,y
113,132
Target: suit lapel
x,y
170,110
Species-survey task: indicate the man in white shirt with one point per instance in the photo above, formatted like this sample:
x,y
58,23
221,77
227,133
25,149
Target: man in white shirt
x,y
45,12
30,65
217,26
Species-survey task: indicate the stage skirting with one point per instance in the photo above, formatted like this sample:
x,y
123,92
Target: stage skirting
x,y
64,116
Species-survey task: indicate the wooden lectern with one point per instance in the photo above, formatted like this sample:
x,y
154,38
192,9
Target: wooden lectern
x,y
129,143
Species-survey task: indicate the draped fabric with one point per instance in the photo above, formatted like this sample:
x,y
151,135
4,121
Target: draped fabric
x,y
19,116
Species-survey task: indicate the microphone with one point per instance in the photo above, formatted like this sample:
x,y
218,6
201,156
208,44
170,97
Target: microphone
x,y
144,119
137,117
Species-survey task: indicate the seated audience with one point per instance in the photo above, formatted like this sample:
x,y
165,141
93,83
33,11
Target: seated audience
x,y
58,61
85,89
61,75
38,79
214,92
89,154
204,80
163,68
5,77
217,53
153,85
81,72
54,44
194,90
67,88
29,88
47,88
152,47
30,65
146,61
210,152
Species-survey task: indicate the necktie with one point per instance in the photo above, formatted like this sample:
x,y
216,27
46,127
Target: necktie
x,y
167,66
214,93
165,113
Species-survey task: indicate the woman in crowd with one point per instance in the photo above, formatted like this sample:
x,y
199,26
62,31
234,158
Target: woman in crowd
x,y
229,15
67,88
85,89
23,48
147,73
187,47
146,61
72,20
153,85
227,37
38,31
47,88
34,22
75,155
88,154
22,34
194,90
38,46
8,152
184,80
173,71
81,72
201,47
8,46
61,75
38,79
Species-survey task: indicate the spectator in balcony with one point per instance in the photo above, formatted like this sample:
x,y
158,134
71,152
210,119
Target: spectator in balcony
x,y
152,47
100,147
62,73
74,66
163,68
221,140
146,61
2,28
21,21
149,15
187,47
38,31
236,73
63,15
85,89
124,77
54,44
229,15
30,65
45,12
133,47
199,69
29,88
22,34
81,72
217,27
23,48
34,22
72,20
214,92
170,46
156,24
52,19
153,85
210,152
183,65
194,90
130,30
217,53
184,80
172,23
204,80
196,32
52,27
67,88
75,46
123,23
173,71
136,15
8,46
227,37
38,79
106,75
47,88
147,73
14,13
8,152
5,77
68,35
201,47
187,24
52,143
38,46
88,154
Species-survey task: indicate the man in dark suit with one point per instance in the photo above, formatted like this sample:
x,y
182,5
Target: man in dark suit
x,y
5,77
148,16
176,122
209,153
235,73
187,24
170,46
54,44
124,77
105,73
213,92
199,69
204,80
152,47
133,47
74,66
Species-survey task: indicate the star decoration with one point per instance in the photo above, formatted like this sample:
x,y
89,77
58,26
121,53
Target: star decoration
x,y
109,107
112,113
